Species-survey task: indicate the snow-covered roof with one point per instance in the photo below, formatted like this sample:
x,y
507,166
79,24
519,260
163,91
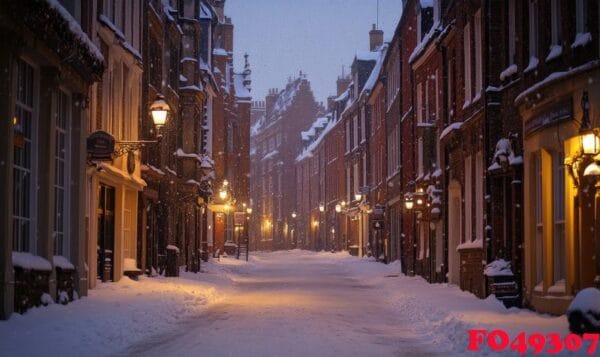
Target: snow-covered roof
x,y
317,124
433,32
367,55
370,83
308,150
241,91
205,12
255,128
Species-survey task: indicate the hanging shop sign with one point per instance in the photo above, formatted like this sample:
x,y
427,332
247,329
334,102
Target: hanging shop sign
x,y
100,146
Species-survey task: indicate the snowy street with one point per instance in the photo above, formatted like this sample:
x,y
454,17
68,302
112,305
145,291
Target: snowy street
x,y
292,303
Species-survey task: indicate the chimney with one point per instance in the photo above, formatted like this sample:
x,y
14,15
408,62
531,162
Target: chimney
x,y
342,84
270,100
375,38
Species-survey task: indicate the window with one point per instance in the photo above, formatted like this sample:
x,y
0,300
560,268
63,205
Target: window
x,y
533,28
555,20
61,186
581,11
348,185
347,135
363,126
512,29
539,230
356,132
364,168
479,199
24,158
468,200
467,63
558,246
450,91
437,94
419,108
356,178
478,55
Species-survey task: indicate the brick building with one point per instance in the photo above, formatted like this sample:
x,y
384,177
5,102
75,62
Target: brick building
x,y
277,143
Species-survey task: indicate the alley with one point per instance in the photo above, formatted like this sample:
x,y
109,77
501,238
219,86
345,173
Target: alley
x,y
293,304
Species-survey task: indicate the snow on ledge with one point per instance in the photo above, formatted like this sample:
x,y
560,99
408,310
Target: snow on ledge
x,y
556,76
29,261
582,39
555,51
62,262
498,267
449,128
512,69
172,247
476,244
76,29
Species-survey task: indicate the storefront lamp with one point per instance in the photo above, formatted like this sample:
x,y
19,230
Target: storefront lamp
x,y
343,203
249,210
408,202
357,196
223,194
321,208
159,110
338,208
592,169
590,143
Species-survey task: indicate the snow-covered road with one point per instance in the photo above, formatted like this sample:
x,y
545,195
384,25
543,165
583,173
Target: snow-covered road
x,y
294,304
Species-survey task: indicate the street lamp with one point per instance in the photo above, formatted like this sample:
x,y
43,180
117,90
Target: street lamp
x,y
249,210
408,201
338,208
321,208
294,215
358,196
159,109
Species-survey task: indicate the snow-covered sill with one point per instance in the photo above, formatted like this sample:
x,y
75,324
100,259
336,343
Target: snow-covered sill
x,y
582,39
555,52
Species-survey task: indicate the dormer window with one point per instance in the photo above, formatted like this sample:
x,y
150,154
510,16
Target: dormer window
x,y
424,19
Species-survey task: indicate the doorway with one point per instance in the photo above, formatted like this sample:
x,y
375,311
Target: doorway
x,y
106,232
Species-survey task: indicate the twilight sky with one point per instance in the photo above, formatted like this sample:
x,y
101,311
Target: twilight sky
x,y
283,37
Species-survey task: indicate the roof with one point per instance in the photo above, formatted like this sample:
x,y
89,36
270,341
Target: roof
x,y
370,83
241,91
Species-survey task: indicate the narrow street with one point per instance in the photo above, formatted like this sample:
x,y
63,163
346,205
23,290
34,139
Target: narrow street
x,y
293,304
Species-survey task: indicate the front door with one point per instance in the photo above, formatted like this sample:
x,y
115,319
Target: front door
x,y
106,232
454,227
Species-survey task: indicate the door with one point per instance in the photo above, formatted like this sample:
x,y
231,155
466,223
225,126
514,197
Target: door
x,y
106,232
454,230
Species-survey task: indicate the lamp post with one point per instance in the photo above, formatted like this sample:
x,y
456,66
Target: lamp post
x,y
321,231
293,229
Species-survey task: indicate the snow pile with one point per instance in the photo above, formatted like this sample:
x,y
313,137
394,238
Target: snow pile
x,y
584,311
29,261
499,267
114,315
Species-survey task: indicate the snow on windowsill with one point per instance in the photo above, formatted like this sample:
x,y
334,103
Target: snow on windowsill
x,y
555,51
582,39
172,247
533,63
29,261
512,69
449,128
476,244
62,262
559,287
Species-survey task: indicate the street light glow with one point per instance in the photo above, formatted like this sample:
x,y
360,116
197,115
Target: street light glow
x,y
321,208
338,208
357,196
